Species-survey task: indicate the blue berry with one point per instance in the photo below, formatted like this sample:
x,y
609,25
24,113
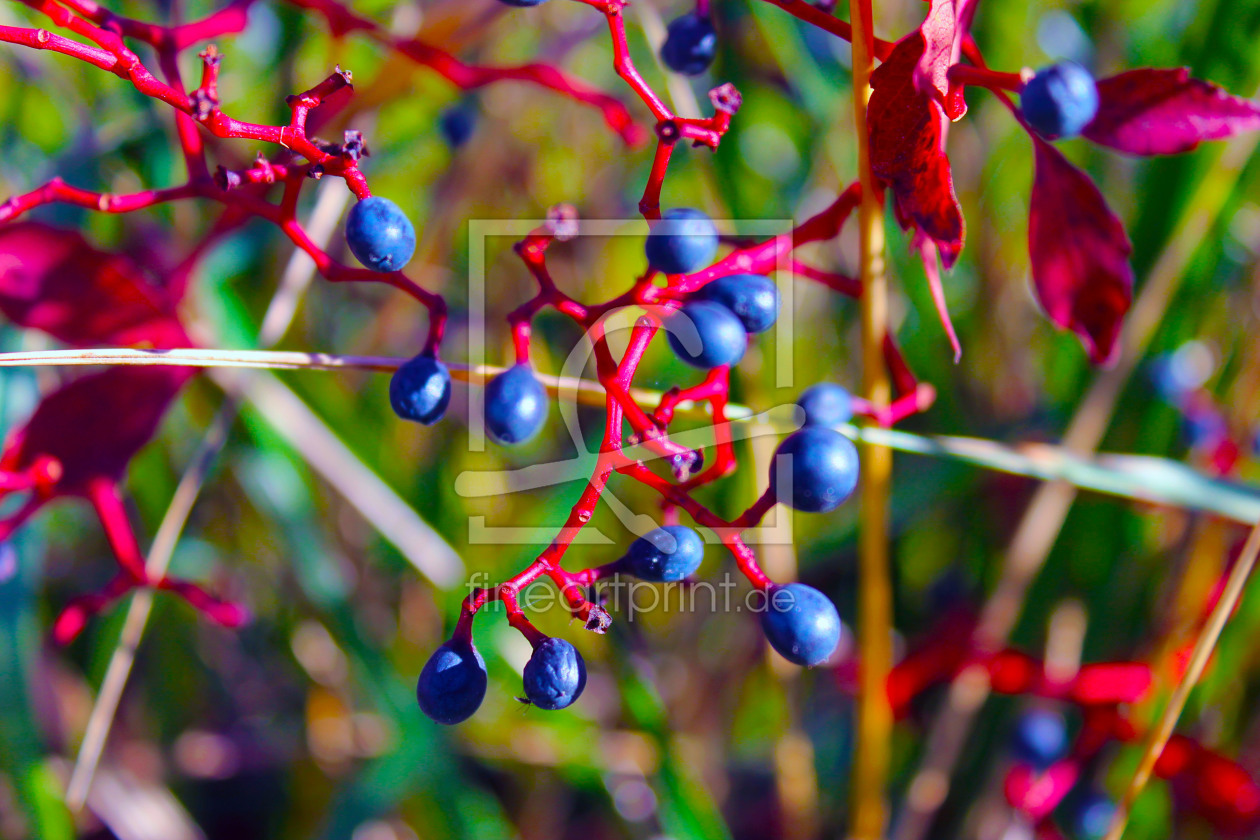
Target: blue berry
x,y
420,390
682,241
516,405
826,404
752,297
457,123
555,675
801,623
706,335
453,682
821,466
1040,738
522,4
1060,100
690,44
379,234
670,553
1092,815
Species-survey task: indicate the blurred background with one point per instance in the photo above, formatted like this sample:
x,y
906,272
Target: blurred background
x,y
304,723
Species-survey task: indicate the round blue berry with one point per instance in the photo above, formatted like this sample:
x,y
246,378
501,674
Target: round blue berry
x,y
522,4
453,682
516,405
682,241
752,297
820,467
690,44
379,234
1040,738
555,675
706,335
1060,100
826,404
1091,816
669,553
420,390
801,623
457,124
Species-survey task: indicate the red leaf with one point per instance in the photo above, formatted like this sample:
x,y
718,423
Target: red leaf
x,y
943,31
1162,111
95,425
1111,682
927,253
1080,254
907,128
53,280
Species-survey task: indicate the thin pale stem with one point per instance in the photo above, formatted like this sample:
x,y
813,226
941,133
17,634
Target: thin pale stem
x,y
875,591
1158,737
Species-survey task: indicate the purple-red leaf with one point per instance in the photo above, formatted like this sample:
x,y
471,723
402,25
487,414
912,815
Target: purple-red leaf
x,y
1163,111
943,31
53,280
907,130
1079,252
927,253
93,426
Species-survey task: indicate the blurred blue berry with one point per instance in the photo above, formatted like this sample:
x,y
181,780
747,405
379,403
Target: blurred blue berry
x,y
826,404
516,405
753,298
706,335
457,124
420,390
690,44
1060,100
801,623
379,234
1040,738
669,553
555,675
821,467
453,682
684,240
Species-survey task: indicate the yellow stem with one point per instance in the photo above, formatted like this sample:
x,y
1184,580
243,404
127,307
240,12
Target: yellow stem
x,y
875,592
1203,648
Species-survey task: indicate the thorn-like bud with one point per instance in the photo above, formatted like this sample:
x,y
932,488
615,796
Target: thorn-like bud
x,y
210,56
562,221
353,145
315,172
726,98
346,75
667,131
226,179
598,620
203,104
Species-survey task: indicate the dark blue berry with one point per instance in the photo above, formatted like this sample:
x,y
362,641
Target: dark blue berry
x,y
522,4
555,675
826,404
1060,100
379,234
1040,738
453,682
706,335
420,390
682,241
801,623
516,405
669,553
457,124
690,44
1091,816
820,466
752,297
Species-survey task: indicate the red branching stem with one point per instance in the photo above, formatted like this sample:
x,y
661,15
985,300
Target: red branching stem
x,y
650,204
983,77
828,22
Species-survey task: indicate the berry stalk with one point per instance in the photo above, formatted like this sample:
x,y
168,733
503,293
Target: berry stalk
x,y
875,592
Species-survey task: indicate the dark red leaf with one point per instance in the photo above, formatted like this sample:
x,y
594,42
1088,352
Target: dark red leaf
x,y
1162,111
94,425
943,32
53,280
927,253
907,129
1079,252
